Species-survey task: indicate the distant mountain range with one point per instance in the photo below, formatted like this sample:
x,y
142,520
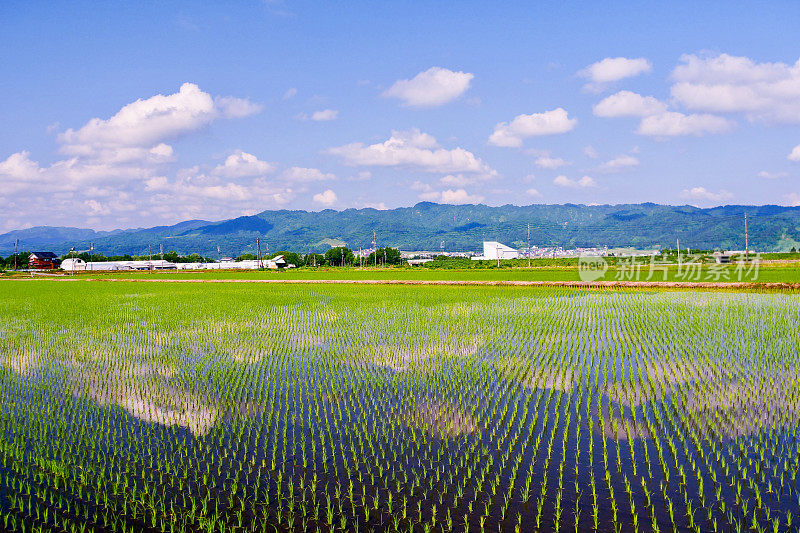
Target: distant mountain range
x,y
429,226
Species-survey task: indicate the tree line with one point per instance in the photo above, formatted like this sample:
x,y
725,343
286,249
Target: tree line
x,y
338,256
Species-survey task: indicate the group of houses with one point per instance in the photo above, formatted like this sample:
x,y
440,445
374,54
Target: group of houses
x,y
50,261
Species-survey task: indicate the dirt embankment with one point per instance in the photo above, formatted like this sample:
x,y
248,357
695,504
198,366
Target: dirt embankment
x,y
736,285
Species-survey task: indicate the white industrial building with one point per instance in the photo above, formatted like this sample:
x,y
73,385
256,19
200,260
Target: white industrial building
x,y
496,250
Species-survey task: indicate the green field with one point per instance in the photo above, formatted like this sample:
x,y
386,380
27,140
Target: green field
x,y
765,273
251,407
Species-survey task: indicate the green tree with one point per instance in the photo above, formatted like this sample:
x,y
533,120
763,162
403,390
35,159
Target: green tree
x,y
247,257
339,256
388,256
314,260
172,257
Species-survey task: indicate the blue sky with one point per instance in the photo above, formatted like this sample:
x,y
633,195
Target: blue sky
x,y
136,114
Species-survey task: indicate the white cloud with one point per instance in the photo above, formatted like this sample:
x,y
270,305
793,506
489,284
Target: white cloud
x,y
421,186
731,84
380,206
115,170
450,196
671,124
324,115
629,104
145,123
414,150
431,88
326,198
19,166
290,93
613,69
583,183
550,163
548,123
457,180
795,155
303,174
230,107
701,193
241,164
589,151
619,163
772,175
533,192
793,199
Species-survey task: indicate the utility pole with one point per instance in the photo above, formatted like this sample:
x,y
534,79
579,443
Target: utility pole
x,y
150,256
16,244
375,247
497,251
746,242
678,244
219,259
258,247
91,255
529,245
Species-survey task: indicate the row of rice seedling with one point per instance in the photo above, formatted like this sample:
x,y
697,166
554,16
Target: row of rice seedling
x,y
244,408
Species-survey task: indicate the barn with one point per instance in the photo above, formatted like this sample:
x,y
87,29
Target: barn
x,y
43,261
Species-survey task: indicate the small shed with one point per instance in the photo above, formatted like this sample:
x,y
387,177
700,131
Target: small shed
x,y
43,261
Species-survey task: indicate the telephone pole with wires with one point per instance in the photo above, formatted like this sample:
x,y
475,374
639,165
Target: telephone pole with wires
x,y
529,245
746,241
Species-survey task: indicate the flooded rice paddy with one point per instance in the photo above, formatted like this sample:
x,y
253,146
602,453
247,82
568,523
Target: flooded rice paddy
x,y
288,408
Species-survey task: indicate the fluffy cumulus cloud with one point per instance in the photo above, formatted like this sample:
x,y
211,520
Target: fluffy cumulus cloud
x,y
326,198
550,163
324,115
116,169
733,84
144,123
613,69
619,163
583,183
672,124
303,174
431,88
656,120
792,199
412,150
703,194
451,196
629,104
241,164
512,133
794,155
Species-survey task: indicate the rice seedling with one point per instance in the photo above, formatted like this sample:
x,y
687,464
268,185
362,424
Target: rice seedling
x,y
231,408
